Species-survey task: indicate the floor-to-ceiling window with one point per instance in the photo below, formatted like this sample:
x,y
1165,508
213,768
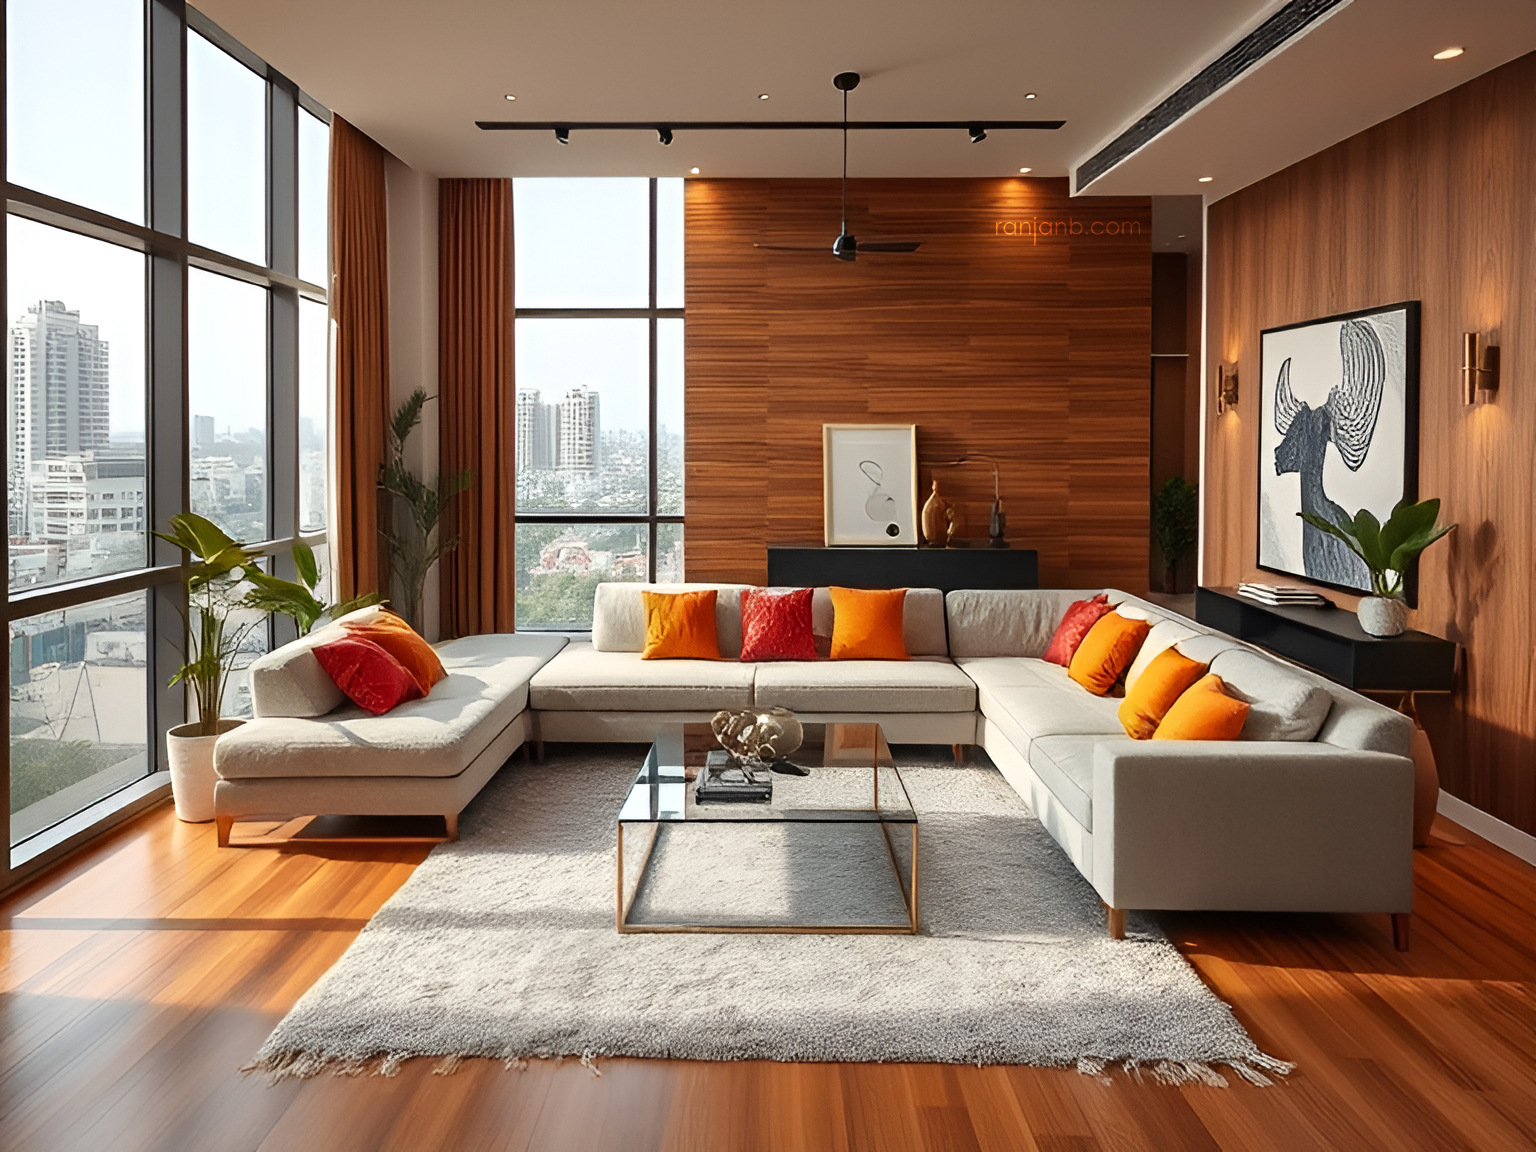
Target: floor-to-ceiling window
x,y
599,371
165,273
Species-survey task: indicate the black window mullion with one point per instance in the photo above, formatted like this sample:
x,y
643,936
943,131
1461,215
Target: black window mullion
x,y
651,487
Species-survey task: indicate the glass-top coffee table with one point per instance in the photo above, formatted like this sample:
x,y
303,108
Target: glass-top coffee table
x,y
833,851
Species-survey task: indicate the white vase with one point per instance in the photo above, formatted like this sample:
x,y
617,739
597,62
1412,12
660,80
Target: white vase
x,y
192,774
1383,616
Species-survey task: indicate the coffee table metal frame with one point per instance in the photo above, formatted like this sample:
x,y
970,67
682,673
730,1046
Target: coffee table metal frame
x,y
849,738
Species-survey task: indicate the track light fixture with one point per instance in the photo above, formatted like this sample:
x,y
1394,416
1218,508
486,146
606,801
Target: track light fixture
x,y
664,135
978,134
562,135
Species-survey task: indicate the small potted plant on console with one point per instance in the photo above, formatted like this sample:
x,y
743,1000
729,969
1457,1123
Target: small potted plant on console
x,y
1386,550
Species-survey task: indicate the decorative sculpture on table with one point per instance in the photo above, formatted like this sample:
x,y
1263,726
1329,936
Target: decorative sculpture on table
x,y
760,736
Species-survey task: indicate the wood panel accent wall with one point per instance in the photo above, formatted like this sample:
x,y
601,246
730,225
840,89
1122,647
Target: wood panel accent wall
x,y
1434,205
1033,348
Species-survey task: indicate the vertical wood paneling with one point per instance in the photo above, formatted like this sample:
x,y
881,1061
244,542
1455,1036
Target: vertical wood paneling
x,y
1034,352
1434,205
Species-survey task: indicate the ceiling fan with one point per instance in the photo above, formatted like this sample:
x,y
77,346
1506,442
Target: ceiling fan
x,y
846,246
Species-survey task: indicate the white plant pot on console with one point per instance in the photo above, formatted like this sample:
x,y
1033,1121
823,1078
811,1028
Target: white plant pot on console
x,y
1383,616
192,775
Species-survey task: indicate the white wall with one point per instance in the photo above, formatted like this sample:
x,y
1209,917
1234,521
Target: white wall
x,y
413,324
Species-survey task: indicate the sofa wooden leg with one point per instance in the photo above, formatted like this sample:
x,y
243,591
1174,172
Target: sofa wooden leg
x,y
1116,923
538,751
959,751
225,825
1402,923
527,752
451,822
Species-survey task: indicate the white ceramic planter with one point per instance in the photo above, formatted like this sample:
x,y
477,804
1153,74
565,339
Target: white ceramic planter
x,y
192,775
1383,616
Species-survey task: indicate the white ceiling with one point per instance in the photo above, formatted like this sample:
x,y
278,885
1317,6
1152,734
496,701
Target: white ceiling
x,y
417,76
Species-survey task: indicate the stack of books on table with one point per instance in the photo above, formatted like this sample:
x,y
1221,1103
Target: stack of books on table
x,y
1281,596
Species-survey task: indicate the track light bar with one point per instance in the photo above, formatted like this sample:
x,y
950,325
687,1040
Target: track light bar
x,y
564,129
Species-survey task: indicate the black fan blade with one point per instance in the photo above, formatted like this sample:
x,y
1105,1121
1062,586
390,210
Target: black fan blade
x,y
889,245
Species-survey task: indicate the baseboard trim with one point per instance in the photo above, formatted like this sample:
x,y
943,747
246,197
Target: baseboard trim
x,y
1490,828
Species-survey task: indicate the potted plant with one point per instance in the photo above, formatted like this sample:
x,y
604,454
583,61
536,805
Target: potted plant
x,y
297,598
213,571
415,542
1175,519
1386,550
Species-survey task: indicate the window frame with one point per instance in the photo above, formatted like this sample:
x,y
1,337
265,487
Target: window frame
x,y
169,257
650,313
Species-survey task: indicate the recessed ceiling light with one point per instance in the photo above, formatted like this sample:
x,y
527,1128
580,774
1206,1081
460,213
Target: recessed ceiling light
x,y
762,95
695,171
1023,170
1206,179
1029,95
1449,53
509,96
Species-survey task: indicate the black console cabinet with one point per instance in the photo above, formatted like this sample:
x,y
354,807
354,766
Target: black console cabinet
x,y
1331,641
943,568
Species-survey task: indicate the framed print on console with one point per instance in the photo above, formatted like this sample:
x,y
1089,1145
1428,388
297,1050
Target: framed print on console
x,y
1338,432
869,483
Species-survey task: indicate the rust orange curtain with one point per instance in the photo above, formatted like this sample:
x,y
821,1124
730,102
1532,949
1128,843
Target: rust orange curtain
x,y
476,418
359,299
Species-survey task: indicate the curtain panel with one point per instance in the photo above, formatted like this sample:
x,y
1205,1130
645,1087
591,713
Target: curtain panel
x,y
359,299
477,413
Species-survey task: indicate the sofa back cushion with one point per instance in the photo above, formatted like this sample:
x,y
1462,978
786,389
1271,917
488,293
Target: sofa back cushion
x,y
1164,635
618,615
289,681
1007,622
922,622
1284,704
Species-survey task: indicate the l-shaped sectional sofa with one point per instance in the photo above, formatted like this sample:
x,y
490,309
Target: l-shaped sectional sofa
x,y
1311,811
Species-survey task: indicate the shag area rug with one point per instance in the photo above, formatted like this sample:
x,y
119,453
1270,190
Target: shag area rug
x,y
503,945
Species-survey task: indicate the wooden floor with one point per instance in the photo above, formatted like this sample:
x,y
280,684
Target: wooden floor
x,y
135,981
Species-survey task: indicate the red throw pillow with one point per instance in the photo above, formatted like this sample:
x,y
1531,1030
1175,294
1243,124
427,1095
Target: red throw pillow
x,y
776,625
1081,616
370,676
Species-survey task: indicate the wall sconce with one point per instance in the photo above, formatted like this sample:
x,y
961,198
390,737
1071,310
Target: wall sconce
x,y
1226,386
1479,373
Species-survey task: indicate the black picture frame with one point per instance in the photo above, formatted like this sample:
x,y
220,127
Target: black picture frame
x,y
1266,462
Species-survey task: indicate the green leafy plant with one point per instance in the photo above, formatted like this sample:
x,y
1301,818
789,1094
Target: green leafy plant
x,y
297,598
1175,519
214,568
414,539
1387,549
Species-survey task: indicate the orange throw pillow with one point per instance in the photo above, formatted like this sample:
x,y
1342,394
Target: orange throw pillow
x,y
1155,691
1204,712
867,624
1107,651
680,626
401,641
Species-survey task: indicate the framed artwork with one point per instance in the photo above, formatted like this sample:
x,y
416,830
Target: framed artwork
x,y
1338,432
869,483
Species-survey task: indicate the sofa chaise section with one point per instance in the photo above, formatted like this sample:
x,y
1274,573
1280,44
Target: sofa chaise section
x,y
426,756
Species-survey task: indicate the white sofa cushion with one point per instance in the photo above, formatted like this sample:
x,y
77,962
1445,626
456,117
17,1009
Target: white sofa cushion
x,y
1163,635
1025,714
993,672
290,681
1007,622
582,678
922,621
923,684
1283,704
438,735
1206,646
1065,766
618,615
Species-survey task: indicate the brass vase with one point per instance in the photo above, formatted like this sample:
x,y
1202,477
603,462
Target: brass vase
x,y
936,519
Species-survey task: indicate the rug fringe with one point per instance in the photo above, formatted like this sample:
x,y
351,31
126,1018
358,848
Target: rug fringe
x,y
589,1062
1177,1072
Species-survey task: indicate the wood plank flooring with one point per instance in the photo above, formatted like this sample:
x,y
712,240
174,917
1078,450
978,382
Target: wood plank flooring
x,y
137,979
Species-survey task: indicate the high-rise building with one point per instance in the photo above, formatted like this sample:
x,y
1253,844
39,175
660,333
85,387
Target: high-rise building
x,y
58,403
538,432
202,434
580,431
